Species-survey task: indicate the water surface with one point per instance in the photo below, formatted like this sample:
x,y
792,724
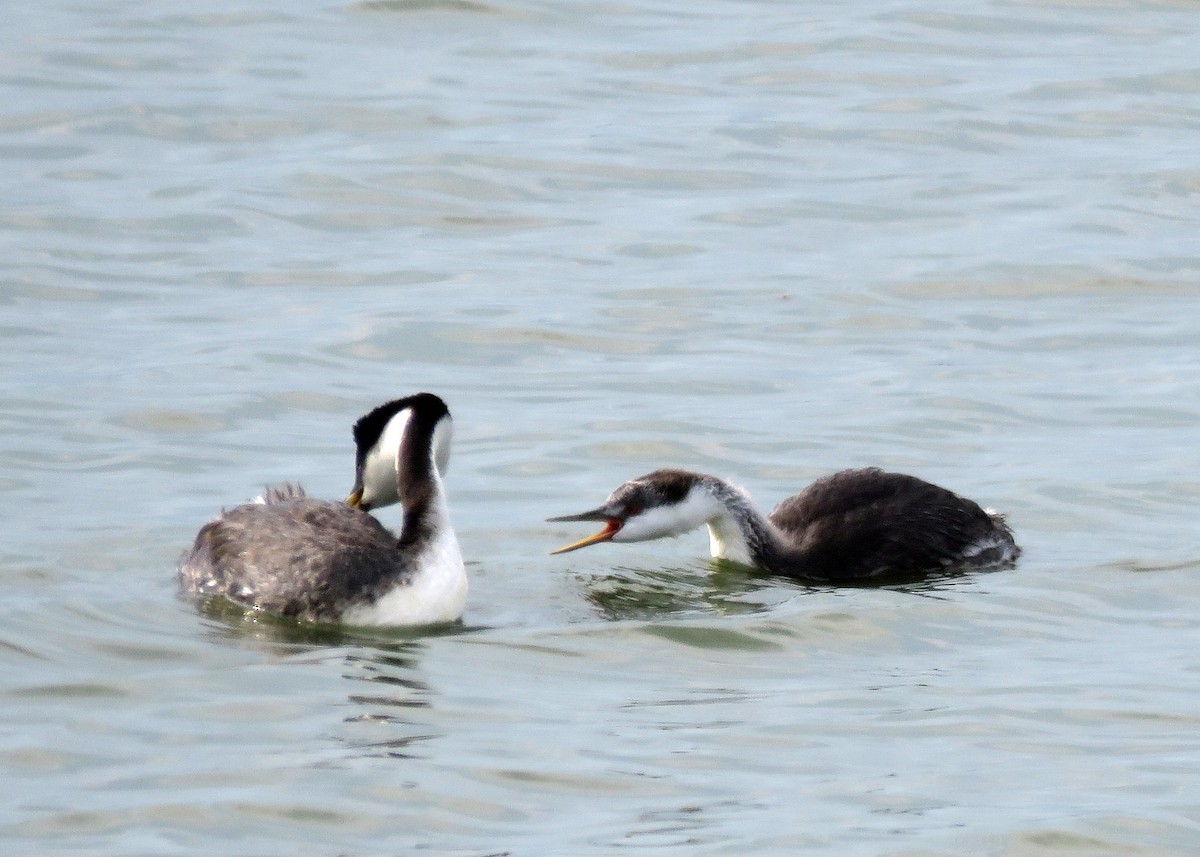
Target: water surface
x,y
763,240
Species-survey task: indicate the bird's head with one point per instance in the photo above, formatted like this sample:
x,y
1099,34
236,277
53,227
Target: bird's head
x,y
398,445
659,504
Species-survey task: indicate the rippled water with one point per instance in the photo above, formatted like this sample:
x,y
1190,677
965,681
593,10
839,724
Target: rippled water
x,y
765,240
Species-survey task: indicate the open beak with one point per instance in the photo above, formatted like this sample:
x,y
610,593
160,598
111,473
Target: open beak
x,y
354,501
612,526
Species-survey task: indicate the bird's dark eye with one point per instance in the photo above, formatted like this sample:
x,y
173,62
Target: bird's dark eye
x,y
632,509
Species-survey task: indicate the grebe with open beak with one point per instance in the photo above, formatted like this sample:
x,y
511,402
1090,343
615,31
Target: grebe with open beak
x,y
851,526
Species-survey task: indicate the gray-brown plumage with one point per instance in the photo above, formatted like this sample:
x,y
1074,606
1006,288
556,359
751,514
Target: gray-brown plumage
x,y
852,525
294,556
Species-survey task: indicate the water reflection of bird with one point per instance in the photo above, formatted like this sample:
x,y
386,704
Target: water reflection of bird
x,y
293,556
851,526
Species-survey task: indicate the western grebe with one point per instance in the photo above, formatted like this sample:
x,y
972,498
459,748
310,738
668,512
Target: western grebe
x,y
853,525
315,560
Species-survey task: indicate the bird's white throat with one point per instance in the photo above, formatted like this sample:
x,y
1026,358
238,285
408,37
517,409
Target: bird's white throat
x,y
379,464
727,541
701,506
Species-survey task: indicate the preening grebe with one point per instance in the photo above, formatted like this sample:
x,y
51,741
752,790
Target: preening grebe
x,y
853,525
316,560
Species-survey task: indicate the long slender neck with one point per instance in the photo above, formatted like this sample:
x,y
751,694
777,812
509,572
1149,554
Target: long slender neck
x,y
426,513
431,577
737,530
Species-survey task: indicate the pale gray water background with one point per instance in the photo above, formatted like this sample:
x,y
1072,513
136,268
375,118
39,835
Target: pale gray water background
x,y
762,239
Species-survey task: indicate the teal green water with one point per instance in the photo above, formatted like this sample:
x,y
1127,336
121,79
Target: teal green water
x,y
762,240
